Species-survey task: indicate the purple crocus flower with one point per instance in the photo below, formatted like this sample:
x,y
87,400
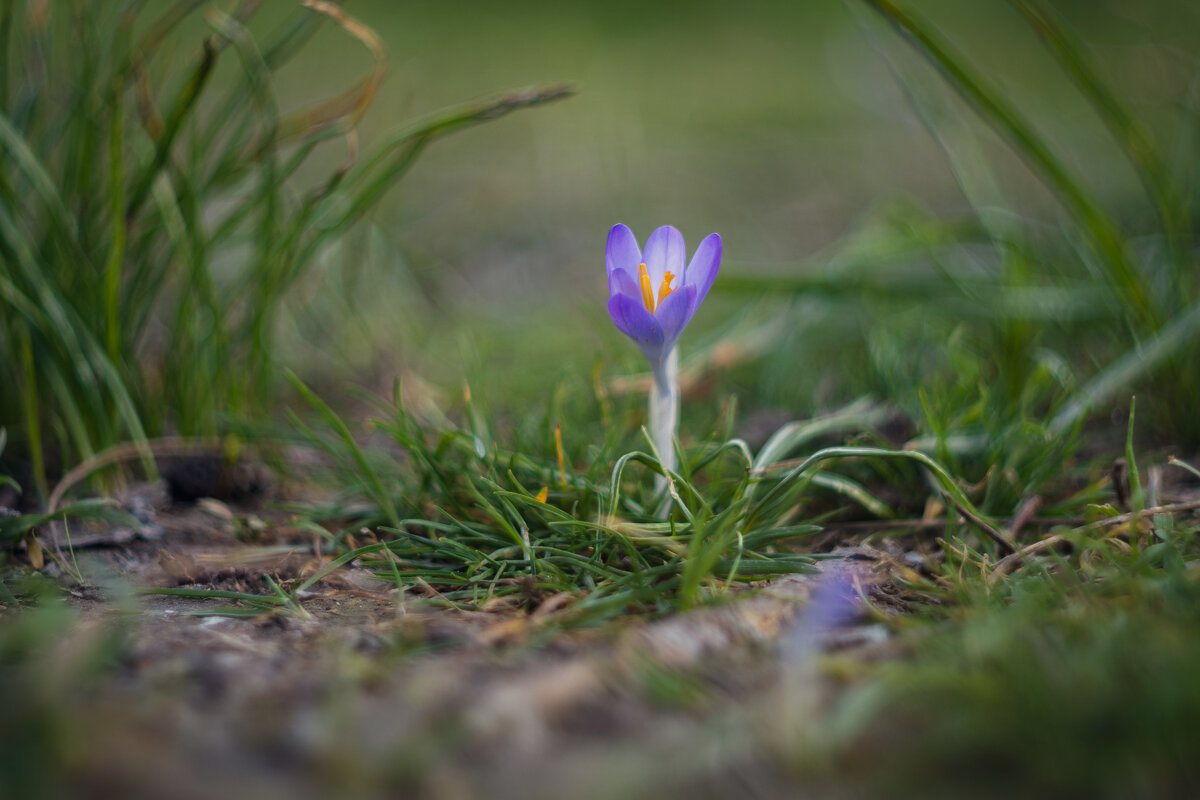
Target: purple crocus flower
x,y
653,294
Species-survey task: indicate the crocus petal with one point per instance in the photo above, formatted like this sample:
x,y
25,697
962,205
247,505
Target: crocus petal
x,y
622,251
633,320
675,312
621,281
703,270
665,251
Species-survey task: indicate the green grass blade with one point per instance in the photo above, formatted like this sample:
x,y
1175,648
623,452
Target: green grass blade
x,y
1137,495
379,494
6,49
852,489
116,255
1103,233
12,142
1130,134
943,478
862,414
366,182
1119,377
180,111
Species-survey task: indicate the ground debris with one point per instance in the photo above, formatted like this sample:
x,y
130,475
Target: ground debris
x,y
373,692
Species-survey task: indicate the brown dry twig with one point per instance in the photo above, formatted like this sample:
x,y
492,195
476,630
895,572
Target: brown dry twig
x,y
129,451
1008,564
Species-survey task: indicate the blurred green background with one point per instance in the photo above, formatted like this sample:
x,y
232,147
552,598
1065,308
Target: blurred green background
x,y
880,235
780,125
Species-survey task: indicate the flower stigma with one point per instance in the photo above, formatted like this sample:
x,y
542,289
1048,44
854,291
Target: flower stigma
x,y
664,288
647,292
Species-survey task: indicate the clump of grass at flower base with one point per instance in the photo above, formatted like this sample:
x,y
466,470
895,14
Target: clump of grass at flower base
x,y
154,218
571,508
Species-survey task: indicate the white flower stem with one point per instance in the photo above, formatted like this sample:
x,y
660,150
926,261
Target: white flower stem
x,y
664,413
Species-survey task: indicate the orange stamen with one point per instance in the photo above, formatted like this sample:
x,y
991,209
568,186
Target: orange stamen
x,y
647,291
665,289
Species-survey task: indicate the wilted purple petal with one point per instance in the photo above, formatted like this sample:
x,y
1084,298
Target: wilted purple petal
x,y
622,251
665,252
702,271
834,603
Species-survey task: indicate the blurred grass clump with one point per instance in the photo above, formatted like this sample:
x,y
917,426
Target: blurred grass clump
x,y
1009,326
153,218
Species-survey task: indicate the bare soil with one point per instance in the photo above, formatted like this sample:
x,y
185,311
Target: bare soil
x,y
372,692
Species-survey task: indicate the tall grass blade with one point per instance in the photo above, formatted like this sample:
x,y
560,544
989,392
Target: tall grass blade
x,y
1102,232
184,104
1175,339
379,494
1129,133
